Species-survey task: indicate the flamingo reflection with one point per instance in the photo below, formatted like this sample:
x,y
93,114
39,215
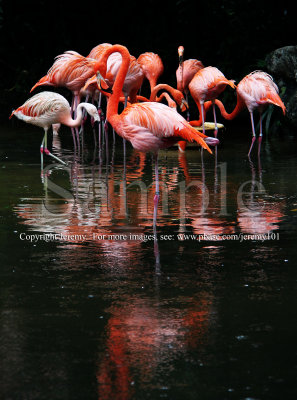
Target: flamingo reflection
x,y
143,336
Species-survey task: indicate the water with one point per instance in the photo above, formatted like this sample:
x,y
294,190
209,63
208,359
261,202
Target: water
x,y
88,315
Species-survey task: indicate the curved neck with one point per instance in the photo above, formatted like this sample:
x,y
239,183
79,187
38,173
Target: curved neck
x,y
164,86
171,103
73,123
239,107
113,102
153,83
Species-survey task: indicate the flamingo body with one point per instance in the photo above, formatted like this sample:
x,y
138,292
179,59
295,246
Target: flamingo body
x,y
133,79
152,66
208,83
186,72
151,126
257,90
47,108
70,70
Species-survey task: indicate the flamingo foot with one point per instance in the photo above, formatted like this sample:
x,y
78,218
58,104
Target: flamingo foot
x,y
252,144
44,150
48,153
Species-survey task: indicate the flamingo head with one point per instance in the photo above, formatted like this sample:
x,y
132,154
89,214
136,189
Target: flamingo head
x,y
100,71
181,101
92,111
180,51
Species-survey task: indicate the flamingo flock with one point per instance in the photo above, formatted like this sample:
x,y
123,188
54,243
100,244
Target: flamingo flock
x,y
148,124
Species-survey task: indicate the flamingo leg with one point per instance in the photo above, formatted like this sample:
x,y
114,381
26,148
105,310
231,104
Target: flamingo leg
x,y
203,127
215,118
124,140
41,149
76,101
202,114
72,129
188,110
260,136
254,134
157,193
44,149
106,139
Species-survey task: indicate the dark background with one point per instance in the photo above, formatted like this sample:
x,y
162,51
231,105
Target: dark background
x,y
234,36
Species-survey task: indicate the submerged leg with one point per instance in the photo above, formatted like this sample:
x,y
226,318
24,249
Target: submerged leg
x,y
202,115
254,134
124,140
260,136
157,193
41,149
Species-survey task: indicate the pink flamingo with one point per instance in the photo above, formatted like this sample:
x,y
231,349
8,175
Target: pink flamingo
x,y
149,126
48,108
208,83
152,66
254,91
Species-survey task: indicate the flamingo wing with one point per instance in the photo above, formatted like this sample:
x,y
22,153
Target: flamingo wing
x,y
152,65
43,109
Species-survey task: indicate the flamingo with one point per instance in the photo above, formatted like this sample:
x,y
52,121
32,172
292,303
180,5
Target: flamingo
x,y
149,126
254,91
152,66
48,108
185,73
207,84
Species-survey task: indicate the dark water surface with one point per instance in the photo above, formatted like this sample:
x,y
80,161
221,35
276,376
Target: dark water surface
x,y
95,316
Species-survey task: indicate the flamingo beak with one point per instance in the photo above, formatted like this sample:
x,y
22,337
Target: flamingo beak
x,y
102,84
96,117
180,54
184,105
232,84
